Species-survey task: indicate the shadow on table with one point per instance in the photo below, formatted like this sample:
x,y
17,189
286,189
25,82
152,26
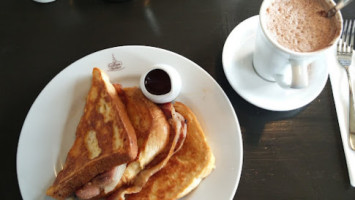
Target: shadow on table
x,y
252,119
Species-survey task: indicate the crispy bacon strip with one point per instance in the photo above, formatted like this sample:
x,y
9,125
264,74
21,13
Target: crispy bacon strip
x,y
103,183
176,140
177,121
93,188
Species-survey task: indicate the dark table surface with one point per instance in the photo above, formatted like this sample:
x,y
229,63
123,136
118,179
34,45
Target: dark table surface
x,y
287,155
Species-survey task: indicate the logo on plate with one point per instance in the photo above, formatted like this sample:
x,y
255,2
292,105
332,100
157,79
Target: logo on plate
x,y
115,65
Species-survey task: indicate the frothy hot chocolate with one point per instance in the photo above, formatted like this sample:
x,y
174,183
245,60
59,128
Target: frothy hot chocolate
x,y
297,25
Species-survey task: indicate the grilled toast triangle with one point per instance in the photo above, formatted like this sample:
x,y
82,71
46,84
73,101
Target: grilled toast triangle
x,y
104,139
152,131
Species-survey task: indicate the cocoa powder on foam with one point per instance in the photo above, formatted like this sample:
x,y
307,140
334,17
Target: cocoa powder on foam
x,y
297,25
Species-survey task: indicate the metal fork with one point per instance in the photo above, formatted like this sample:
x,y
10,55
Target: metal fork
x,y
344,56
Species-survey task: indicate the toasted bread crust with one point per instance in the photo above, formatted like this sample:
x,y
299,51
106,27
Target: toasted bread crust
x,y
105,138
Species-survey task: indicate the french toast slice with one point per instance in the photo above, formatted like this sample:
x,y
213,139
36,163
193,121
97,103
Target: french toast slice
x,y
152,131
104,139
185,169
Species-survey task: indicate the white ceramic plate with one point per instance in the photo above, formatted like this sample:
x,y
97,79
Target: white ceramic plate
x,y
237,64
49,129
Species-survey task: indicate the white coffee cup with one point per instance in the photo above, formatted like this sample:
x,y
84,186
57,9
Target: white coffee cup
x,y
276,63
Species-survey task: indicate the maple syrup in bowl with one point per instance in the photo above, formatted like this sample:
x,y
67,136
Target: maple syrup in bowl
x,y
161,84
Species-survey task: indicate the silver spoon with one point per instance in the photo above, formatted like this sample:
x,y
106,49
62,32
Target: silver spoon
x,y
330,13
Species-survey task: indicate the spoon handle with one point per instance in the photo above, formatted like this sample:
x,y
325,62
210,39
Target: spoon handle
x,y
341,4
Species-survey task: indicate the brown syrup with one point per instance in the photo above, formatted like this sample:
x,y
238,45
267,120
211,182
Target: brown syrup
x,y
157,82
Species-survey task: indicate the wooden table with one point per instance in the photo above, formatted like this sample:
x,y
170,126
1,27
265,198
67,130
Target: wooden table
x,y
287,155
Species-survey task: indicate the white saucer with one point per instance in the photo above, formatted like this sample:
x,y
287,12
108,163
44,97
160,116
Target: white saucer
x,y
237,64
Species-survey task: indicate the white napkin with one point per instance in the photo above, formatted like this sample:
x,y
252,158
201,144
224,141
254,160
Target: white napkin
x,y
339,82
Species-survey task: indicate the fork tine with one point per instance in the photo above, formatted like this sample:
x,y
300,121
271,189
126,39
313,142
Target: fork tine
x,y
339,45
344,36
348,36
352,44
